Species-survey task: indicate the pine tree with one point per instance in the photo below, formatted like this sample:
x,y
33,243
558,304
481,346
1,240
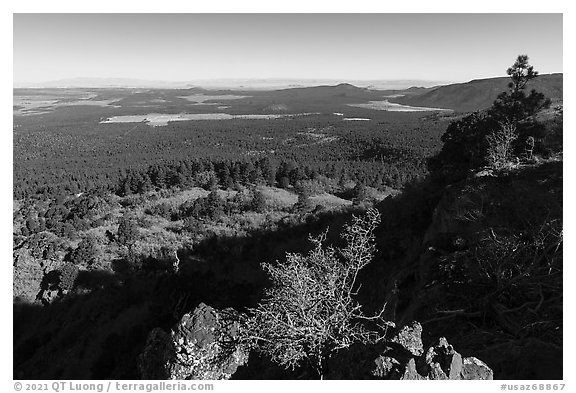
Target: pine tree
x,y
128,232
258,203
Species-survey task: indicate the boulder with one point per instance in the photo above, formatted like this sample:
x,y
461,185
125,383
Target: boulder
x,y
386,366
473,368
410,337
410,373
443,361
404,358
201,346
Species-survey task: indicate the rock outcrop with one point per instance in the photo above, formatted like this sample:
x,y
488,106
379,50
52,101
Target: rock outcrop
x,y
410,337
204,345
404,358
201,346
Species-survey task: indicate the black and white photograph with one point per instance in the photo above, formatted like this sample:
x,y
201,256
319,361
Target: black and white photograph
x,y
287,196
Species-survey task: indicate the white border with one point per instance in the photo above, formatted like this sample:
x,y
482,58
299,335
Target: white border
x,y
259,6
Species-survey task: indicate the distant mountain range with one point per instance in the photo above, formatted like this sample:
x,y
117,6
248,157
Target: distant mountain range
x,y
478,94
241,84
461,97
103,83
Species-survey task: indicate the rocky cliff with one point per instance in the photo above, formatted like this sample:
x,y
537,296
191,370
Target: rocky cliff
x,y
488,271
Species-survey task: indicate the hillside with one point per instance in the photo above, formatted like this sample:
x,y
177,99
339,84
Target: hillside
x,y
480,93
118,299
486,269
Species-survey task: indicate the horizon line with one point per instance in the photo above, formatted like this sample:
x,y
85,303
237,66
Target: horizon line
x,y
127,80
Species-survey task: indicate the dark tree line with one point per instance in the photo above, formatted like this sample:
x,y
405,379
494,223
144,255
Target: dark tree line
x,y
230,174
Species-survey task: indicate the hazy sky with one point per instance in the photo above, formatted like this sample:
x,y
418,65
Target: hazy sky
x,y
180,47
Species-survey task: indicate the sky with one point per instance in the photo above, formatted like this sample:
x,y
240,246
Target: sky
x,y
185,47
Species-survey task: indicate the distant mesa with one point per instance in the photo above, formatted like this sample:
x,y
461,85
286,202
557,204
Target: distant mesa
x,y
348,86
417,88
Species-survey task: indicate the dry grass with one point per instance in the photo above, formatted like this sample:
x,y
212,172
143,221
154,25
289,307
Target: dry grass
x,y
379,195
329,201
279,198
177,199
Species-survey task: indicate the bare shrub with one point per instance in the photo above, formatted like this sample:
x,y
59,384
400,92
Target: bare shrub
x,y
310,311
499,154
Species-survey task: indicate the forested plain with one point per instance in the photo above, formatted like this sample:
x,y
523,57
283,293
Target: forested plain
x,y
67,150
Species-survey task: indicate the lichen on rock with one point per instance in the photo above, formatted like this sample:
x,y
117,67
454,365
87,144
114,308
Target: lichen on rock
x,y
201,346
